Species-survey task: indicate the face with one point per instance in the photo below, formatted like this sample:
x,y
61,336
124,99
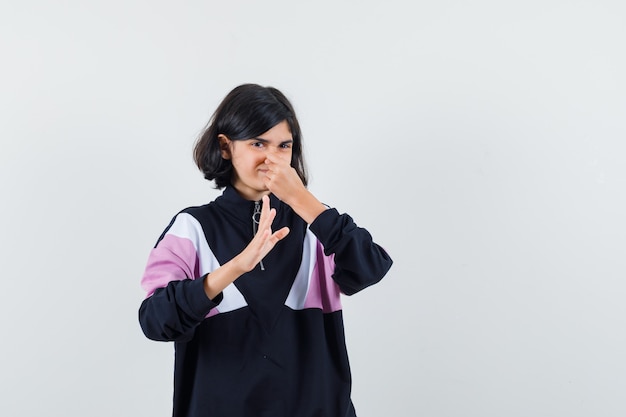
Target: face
x,y
248,158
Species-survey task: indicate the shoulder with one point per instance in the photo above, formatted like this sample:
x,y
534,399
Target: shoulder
x,y
185,223
197,211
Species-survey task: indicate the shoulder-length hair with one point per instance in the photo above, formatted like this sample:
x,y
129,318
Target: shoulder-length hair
x,y
248,111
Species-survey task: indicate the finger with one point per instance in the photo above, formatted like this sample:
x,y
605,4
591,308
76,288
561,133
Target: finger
x,y
274,239
271,158
265,222
265,210
280,234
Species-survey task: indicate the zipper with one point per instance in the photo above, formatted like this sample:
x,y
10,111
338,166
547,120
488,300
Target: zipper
x,y
256,217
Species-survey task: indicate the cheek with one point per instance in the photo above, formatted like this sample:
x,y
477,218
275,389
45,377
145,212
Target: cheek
x,y
248,161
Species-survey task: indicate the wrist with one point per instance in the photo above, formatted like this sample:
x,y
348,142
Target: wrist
x,y
237,266
216,281
307,206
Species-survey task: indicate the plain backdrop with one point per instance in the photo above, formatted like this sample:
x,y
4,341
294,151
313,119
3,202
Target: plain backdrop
x,y
482,143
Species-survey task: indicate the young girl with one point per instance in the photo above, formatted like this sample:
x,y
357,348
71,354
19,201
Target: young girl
x,y
248,286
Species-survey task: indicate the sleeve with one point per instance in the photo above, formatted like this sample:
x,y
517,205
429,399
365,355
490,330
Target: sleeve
x,y
359,262
176,302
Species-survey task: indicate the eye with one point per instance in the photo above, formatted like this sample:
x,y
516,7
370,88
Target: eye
x,y
285,145
258,144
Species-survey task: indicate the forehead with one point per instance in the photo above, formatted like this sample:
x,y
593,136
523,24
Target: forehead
x,y
278,133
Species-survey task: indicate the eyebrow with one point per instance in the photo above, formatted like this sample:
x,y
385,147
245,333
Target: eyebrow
x,y
267,141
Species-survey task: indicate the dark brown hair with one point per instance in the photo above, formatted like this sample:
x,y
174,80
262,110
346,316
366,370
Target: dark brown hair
x,y
246,112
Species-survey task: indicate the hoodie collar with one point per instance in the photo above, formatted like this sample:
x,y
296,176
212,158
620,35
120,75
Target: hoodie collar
x,y
236,204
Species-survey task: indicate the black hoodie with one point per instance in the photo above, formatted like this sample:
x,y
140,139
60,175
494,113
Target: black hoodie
x,y
272,343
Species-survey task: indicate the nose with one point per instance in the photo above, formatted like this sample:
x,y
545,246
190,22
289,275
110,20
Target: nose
x,y
271,150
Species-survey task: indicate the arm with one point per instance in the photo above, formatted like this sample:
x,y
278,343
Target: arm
x,y
177,303
173,313
359,262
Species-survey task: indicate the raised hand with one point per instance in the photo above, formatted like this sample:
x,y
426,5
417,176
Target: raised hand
x,y
264,240
260,245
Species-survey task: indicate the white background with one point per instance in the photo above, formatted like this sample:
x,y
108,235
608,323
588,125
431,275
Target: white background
x,y
482,143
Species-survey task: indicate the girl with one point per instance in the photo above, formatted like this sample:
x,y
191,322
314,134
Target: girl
x,y
248,286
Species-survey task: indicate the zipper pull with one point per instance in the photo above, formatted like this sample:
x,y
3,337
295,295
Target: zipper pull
x,y
256,217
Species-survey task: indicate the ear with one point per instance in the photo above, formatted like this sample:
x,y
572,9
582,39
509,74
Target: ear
x,y
224,146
